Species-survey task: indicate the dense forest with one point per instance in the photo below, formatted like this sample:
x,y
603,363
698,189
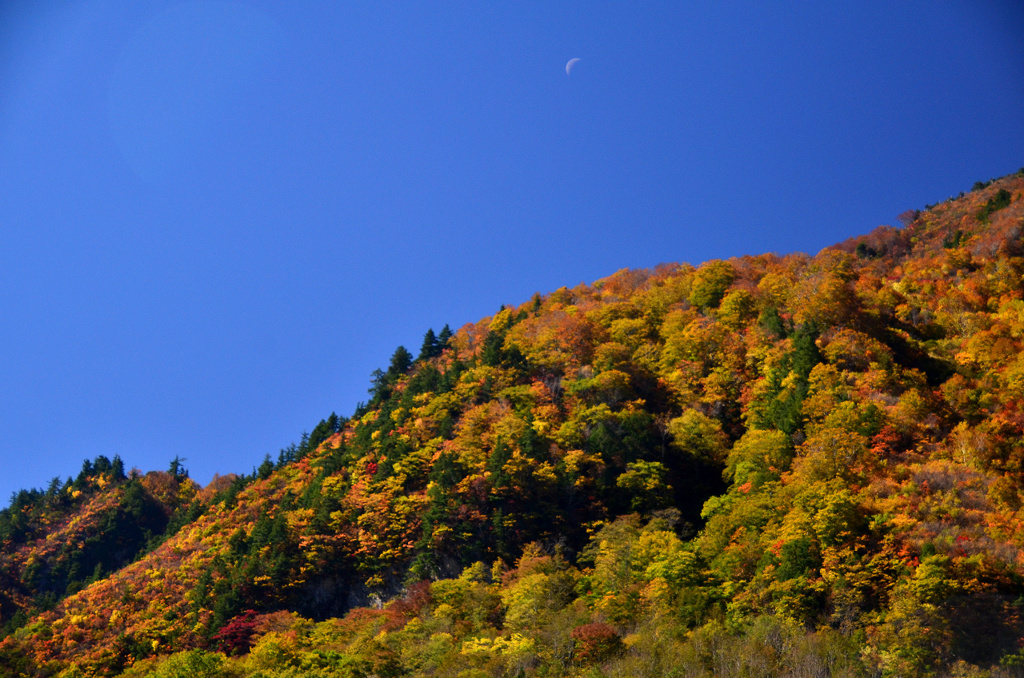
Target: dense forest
x,y
763,466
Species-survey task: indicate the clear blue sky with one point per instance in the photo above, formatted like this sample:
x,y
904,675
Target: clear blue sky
x,y
219,217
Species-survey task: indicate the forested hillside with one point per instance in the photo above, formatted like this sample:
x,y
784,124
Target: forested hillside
x,y
769,465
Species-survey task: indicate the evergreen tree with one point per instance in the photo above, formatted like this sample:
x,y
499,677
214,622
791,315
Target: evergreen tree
x,y
491,354
177,468
101,464
401,361
54,489
430,348
378,391
265,469
86,471
446,334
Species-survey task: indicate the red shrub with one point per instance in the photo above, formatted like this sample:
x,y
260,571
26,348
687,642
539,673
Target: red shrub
x,y
236,636
595,642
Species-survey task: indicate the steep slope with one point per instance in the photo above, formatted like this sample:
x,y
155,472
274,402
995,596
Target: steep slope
x,y
662,462
58,541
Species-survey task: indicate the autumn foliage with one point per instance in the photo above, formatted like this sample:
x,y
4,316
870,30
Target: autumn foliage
x,y
767,465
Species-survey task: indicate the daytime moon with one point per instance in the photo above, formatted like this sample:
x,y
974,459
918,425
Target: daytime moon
x,y
568,66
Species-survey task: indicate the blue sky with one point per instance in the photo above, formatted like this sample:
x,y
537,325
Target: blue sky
x,y
219,217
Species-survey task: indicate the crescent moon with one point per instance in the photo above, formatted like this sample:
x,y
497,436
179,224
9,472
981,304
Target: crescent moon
x,y
568,66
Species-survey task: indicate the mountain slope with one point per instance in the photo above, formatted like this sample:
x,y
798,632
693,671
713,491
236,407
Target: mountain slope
x,y
826,448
